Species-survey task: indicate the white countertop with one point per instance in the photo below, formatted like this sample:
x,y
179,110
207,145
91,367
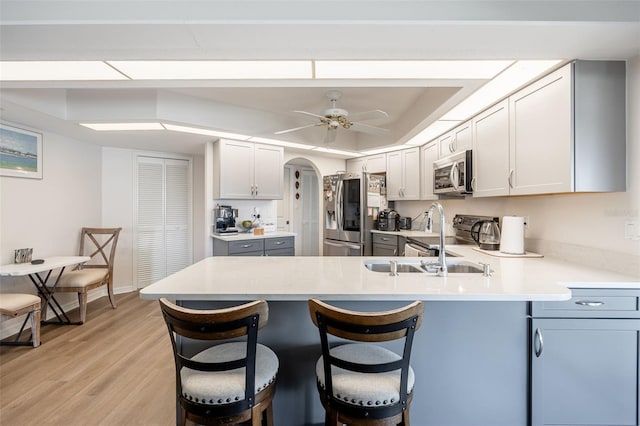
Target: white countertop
x,y
346,278
239,236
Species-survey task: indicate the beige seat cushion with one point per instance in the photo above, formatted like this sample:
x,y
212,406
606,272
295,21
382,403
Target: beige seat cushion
x,y
10,303
223,387
82,277
374,389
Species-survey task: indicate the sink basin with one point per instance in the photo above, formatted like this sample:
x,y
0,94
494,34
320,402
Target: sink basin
x,y
457,267
453,266
385,266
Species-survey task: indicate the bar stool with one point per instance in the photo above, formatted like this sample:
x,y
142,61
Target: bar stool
x,y
16,304
364,383
228,383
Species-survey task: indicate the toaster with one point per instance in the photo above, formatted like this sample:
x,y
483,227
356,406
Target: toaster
x,y
405,223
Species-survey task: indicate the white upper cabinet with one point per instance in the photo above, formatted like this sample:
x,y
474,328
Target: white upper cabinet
x,y
370,164
490,155
563,133
403,174
540,143
245,170
429,153
458,139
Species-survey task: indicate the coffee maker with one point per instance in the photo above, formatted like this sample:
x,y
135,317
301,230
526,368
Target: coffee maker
x,y
225,219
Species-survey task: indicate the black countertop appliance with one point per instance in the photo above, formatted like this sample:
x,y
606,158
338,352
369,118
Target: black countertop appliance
x,y
388,220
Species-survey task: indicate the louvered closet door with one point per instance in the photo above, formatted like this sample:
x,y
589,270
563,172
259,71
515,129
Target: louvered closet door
x,y
177,217
163,218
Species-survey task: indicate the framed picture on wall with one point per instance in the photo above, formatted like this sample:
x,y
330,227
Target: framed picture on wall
x,y
20,152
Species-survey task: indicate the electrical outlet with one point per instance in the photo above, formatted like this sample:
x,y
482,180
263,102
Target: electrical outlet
x,y
527,222
631,230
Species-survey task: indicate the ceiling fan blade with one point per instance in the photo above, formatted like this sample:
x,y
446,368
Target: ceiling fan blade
x,y
330,136
365,128
368,115
296,128
310,114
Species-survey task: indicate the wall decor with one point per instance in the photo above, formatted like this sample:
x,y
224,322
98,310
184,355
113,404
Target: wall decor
x,y
20,152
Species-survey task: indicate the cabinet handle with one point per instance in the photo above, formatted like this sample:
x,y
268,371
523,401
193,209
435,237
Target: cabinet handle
x,y
454,144
473,183
511,178
278,243
246,245
540,343
385,239
256,190
589,303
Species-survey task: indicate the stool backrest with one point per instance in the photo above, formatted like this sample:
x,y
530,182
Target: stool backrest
x,y
366,327
217,325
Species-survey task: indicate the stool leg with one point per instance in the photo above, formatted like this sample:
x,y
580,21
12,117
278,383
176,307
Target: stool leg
x,y
35,327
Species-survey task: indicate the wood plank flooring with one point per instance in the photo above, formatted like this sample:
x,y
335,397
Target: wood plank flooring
x,y
116,369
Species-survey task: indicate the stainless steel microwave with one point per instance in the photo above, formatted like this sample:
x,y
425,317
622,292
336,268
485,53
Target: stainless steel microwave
x,y
453,174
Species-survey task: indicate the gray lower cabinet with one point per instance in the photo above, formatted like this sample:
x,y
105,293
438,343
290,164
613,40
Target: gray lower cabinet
x,y
276,246
585,368
384,245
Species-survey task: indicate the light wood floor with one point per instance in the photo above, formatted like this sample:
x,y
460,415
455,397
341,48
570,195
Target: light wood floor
x,y
116,369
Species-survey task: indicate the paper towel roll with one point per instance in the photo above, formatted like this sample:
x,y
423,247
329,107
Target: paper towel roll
x,y
512,235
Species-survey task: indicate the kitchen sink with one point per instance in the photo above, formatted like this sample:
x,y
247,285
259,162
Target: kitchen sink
x,y
453,266
385,266
456,267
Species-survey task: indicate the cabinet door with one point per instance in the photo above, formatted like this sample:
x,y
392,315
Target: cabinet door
x,y
491,151
541,136
384,250
429,155
411,174
236,169
394,175
269,172
462,138
355,165
376,163
445,145
585,372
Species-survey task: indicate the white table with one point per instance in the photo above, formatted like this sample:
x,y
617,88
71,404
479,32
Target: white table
x,y
40,274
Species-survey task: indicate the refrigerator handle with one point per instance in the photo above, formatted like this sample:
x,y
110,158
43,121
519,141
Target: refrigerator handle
x,y
339,204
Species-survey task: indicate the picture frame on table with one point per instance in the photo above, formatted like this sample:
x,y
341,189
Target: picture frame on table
x,y
20,152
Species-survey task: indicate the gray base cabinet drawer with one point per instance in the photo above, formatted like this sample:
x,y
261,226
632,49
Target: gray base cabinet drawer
x,y
280,252
278,243
277,246
385,239
592,303
246,246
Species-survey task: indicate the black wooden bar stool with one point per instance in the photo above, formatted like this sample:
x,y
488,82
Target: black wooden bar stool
x,y
231,382
365,383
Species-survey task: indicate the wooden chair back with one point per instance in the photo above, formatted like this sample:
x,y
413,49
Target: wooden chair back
x,y
100,244
216,325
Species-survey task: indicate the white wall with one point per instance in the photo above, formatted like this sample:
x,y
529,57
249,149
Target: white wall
x,y
587,228
47,214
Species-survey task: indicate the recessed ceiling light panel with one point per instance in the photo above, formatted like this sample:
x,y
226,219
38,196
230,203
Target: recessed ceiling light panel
x,y
122,126
409,69
206,132
57,71
214,70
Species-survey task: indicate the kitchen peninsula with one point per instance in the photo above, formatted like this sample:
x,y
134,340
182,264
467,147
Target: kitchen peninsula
x,y
472,350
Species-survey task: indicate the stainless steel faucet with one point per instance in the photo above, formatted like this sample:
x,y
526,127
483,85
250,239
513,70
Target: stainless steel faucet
x,y
442,261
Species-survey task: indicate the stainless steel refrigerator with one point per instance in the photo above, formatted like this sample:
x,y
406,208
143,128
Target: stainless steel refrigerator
x,y
349,208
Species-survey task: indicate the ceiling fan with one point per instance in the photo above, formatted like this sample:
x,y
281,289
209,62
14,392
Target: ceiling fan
x,y
335,117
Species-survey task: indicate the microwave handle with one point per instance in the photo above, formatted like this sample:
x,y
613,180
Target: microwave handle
x,y
454,175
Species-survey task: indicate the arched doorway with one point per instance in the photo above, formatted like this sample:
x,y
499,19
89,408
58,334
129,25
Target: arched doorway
x,y
299,210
